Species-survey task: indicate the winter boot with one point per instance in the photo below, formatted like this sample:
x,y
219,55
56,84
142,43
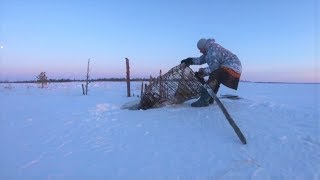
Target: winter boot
x,y
204,99
202,81
215,85
216,89
211,100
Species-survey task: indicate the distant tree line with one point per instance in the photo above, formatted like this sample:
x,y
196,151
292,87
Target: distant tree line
x,y
76,80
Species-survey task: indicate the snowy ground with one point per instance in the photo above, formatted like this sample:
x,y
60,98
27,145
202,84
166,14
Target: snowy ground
x,y
57,133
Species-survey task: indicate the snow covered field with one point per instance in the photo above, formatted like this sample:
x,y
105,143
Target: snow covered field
x,y
57,133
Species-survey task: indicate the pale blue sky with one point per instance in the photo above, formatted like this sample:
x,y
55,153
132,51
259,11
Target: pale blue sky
x,y
275,40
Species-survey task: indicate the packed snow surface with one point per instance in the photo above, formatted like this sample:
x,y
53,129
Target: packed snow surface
x,y
58,133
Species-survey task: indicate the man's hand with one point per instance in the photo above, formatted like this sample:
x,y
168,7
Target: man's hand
x,y
187,61
201,73
200,77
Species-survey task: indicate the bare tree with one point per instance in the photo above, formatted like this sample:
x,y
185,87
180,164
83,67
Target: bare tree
x,y
42,79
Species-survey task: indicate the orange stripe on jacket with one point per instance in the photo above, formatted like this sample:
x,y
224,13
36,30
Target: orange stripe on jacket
x,y
231,72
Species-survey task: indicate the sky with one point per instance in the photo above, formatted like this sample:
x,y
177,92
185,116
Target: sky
x,y
276,41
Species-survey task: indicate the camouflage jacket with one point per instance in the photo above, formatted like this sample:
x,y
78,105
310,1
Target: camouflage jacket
x,y
217,56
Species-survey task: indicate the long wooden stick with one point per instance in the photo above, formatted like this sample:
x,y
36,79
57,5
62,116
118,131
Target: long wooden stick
x,y
227,115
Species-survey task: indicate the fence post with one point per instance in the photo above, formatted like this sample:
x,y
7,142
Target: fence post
x,y
141,90
160,84
87,81
128,77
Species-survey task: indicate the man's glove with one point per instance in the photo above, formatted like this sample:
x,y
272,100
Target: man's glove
x,y
187,61
200,77
201,73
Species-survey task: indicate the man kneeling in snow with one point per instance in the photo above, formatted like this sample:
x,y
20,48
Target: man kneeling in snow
x,y
224,68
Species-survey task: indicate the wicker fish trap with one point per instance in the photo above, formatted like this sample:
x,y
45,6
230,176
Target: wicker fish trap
x,y
179,84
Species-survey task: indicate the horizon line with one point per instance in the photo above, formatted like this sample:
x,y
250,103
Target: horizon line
x,y
120,79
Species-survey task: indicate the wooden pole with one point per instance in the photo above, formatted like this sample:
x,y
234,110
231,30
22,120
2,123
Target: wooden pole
x,y
83,91
150,80
160,84
128,77
227,115
87,81
141,89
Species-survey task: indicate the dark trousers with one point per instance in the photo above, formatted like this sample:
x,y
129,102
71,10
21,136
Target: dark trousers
x,y
223,75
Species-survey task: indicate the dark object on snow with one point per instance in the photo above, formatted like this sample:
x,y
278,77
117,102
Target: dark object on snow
x,y
230,96
176,86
